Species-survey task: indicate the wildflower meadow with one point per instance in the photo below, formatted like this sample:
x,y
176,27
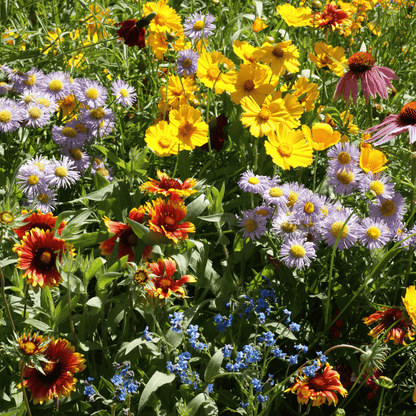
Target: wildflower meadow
x,y
207,207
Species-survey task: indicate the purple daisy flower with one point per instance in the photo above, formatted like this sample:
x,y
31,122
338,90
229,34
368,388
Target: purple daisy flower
x,y
308,209
90,93
283,226
61,173
297,252
295,190
344,181
39,97
101,167
373,233
390,210
80,159
276,195
11,114
187,62
30,80
57,84
30,178
69,136
264,210
98,120
5,87
333,226
255,184
37,115
124,93
378,185
343,156
45,200
199,25
254,226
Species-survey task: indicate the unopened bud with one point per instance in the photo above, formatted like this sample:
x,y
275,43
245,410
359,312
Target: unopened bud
x,y
270,39
145,20
385,382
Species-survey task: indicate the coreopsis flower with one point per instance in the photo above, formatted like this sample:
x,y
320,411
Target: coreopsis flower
x,y
288,148
165,218
321,136
329,57
302,86
160,42
162,286
68,106
38,252
127,240
244,51
199,25
161,139
395,124
168,187
320,389
188,127
282,56
166,18
331,17
38,220
374,79
296,17
409,301
252,81
179,91
123,92
32,344
384,319
57,379
258,25
132,35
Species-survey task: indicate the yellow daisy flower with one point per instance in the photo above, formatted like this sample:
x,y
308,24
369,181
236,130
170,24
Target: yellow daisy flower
x,y
178,93
302,86
166,18
189,127
282,56
322,136
95,22
244,51
252,81
159,43
288,148
210,74
296,17
352,128
409,301
329,57
161,139
258,25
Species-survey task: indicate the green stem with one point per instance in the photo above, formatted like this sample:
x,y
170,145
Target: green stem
x,y
370,113
380,402
24,390
315,167
3,294
70,313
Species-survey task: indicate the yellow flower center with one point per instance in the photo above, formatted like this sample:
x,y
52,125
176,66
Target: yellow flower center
x,y
33,180
69,132
75,153
285,150
251,226
253,180
377,187
198,25
6,217
164,142
249,85
141,276
293,198
160,19
186,129
103,172
124,93
81,127
324,211
5,116
277,52
344,158
387,208
345,177
43,198
46,257
56,85
48,368
262,212
44,101
40,166
92,93
297,251
275,192
336,229
264,113
213,72
177,92
29,347
61,172
28,98
31,79
97,113
309,208
287,227
373,233
186,63
35,113
164,283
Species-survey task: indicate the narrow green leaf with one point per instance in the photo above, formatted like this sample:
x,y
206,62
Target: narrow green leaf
x,y
110,155
225,216
213,365
99,195
193,406
119,264
196,208
95,266
38,324
106,279
94,305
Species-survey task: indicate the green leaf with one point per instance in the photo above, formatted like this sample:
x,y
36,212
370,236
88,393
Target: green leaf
x,y
196,208
7,261
95,305
193,406
61,217
148,236
157,380
225,216
110,155
100,195
119,264
132,345
47,301
106,279
94,267
213,365
38,325
75,223
88,239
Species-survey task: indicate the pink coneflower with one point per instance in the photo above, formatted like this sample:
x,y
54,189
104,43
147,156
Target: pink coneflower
x,y
374,79
395,124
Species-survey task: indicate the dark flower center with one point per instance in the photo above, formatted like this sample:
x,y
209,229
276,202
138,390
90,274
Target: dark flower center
x,y
408,114
170,184
277,52
186,63
129,238
361,62
319,383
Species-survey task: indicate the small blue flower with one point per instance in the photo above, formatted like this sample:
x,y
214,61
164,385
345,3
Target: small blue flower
x,y
89,391
322,358
294,327
146,334
262,318
175,321
293,359
256,383
210,388
244,405
261,398
132,387
302,348
226,351
279,353
117,380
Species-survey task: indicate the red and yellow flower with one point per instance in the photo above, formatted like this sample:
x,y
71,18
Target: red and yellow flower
x,y
38,220
127,240
165,218
38,252
32,344
162,286
58,380
320,389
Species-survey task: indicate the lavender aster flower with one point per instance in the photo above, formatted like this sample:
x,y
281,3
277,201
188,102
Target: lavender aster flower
x,y
45,200
295,190
98,120
264,210
11,114
5,87
36,115
124,93
103,169
343,180
199,25
57,84
30,80
308,209
297,252
187,62
373,233
255,184
390,210
61,173
30,179
254,225
78,157
90,93
343,156
284,226
69,136
378,185
276,195
333,226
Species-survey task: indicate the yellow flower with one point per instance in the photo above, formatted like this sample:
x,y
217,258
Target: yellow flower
x,y
210,74
371,159
329,57
352,128
252,81
322,136
259,25
95,21
189,127
176,93
68,106
375,30
159,44
244,51
161,139
296,17
282,56
302,86
288,148
166,18
409,301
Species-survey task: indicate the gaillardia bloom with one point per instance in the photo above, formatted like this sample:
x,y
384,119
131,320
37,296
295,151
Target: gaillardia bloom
x,y
32,344
38,220
409,301
38,252
165,218
58,380
132,35
320,389
163,285
169,187
331,17
385,318
127,240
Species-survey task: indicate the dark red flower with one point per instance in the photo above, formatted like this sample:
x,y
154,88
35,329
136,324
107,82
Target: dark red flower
x,y
132,35
216,133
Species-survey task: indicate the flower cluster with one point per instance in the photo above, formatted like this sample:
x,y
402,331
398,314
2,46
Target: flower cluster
x,y
124,381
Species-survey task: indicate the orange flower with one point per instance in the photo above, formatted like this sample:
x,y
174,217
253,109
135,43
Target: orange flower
x,y
385,318
58,380
169,187
38,220
259,25
371,159
321,388
32,344
127,240
163,285
165,218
